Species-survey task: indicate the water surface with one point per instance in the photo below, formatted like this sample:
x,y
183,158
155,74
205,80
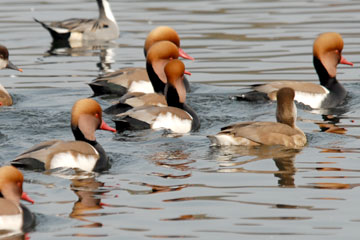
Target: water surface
x,y
162,186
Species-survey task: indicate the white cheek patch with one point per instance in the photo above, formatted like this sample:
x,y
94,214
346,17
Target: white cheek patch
x,y
172,122
11,222
3,64
68,160
311,99
141,86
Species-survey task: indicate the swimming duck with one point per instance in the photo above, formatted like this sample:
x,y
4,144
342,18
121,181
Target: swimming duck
x,y
5,98
283,132
85,153
103,28
13,215
159,54
177,116
327,50
136,79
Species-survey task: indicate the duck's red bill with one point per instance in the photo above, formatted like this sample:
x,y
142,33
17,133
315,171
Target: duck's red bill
x,y
183,54
26,197
106,127
187,73
344,61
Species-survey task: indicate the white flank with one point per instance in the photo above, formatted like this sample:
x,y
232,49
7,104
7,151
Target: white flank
x,y
141,86
75,36
11,222
311,99
172,122
108,12
67,160
227,140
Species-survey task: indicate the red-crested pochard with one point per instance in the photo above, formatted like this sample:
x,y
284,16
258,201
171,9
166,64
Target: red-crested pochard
x,y
159,55
330,93
283,132
85,153
13,215
5,98
177,116
136,79
103,28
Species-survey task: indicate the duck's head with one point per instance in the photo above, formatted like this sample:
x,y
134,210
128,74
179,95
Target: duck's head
x,y
327,48
86,116
164,33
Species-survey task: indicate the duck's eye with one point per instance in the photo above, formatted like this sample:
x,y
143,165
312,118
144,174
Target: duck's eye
x,y
96,115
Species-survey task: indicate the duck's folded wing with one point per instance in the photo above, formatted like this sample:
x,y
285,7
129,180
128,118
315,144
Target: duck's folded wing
x,y
266,133
41,155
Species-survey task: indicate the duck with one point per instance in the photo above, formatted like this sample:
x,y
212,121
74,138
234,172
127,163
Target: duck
x,y
104,28
136,79
159,54
330,93
284,132
85,153
14,216
5,97
177,116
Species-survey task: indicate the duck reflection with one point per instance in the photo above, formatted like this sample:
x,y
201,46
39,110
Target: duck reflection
x,y
228,161
88,191
106,51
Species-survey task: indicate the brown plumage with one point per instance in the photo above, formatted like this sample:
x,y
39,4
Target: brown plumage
x,y
136,79
284,132
327,50
11,191
85,153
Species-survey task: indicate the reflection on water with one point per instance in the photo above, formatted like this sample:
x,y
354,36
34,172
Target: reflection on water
x,y
164,186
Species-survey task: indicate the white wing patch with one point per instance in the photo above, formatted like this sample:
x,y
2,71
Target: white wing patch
x,y
68,160
311,99
141,86
172,122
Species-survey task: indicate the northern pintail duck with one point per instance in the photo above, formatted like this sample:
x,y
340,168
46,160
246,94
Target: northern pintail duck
x,y
103,28
177,116
327,50
283,132
85,153
5,98
136,79
13,215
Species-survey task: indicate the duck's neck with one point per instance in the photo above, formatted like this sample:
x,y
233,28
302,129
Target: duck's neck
x,y
286,113
325,79
172,98
102,163
79,136
105,10
156,82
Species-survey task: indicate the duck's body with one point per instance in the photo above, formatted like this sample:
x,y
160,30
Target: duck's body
x,y
160,53
104,28
177,116
330,93
5,97
284,132
85,153
136,79
13,215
